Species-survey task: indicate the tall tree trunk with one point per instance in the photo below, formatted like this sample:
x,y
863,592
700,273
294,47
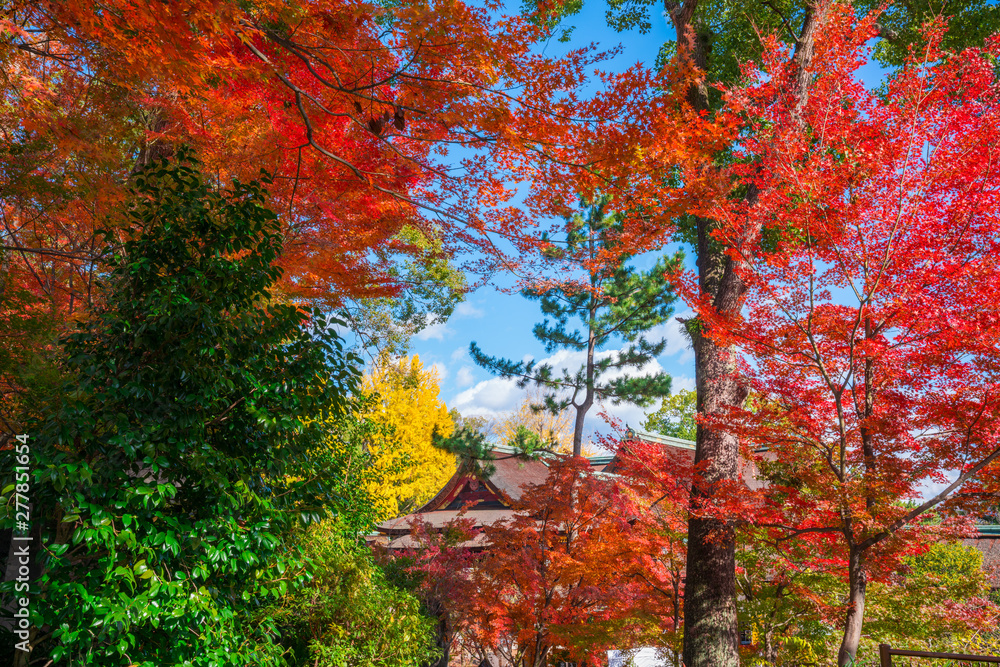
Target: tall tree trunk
x,y
588,399
581,415
857,572
711,637
858,578
677,615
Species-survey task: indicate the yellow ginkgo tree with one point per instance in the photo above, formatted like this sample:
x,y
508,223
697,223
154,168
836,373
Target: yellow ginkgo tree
x,y
407,401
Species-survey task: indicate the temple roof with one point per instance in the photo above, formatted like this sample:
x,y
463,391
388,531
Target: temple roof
x,y
486,501
988,544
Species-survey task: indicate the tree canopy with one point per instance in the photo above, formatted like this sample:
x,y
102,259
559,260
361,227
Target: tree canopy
x,y
207,458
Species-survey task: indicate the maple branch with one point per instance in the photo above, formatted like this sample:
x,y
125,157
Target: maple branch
x,y
795,532
886,33
837,392
641,575
300,52
784,20
360,174
295,181
29,48
926,505
55,253
503,94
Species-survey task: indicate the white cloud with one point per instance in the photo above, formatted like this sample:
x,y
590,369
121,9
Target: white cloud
x,y
680,382
466,309
488,398
678,342
460,354
629,414
436,331
492,397
464,377
441,370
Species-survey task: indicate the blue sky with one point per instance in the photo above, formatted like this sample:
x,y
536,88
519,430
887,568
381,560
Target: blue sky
x,y
501,323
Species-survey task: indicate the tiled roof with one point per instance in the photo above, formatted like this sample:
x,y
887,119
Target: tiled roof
x,y
662,439
511,475
407,542
988,544
440,518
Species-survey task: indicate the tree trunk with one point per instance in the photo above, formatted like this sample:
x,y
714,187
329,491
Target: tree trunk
x,y
588,400
858,577
770,646
540,654
710,631
856,564
711,637
158,148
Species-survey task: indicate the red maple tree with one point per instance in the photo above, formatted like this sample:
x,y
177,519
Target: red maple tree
x,y
394,133
870,328
372,118
580,567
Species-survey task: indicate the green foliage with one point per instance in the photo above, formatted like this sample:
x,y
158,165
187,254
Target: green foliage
x,y
732,30
473,422
552,15
350,614
918,607
345,467
778,604
470,444
530,443
950,568
187,440
932,603
970,22
28,371
676,416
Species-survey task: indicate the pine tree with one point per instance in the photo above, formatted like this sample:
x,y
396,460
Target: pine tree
x,y
612,300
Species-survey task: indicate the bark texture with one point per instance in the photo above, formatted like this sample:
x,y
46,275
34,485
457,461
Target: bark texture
x,y
858,578
711,636
588,398
711,633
